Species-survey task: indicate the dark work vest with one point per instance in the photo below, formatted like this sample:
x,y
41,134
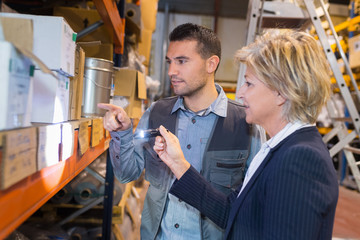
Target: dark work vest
x,y
227,149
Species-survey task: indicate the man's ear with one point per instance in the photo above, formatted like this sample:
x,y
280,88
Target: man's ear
x,y
212,63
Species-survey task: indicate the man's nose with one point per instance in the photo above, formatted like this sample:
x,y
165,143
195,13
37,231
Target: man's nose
x,y
172,70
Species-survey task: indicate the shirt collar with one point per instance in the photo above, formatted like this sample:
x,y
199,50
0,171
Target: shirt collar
x,y
286,131
219,106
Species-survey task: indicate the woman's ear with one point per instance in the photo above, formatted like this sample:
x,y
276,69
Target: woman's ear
x,y
280,99
212,63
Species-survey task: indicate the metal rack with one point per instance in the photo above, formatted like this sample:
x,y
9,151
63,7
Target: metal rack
x,y
266,14
21,200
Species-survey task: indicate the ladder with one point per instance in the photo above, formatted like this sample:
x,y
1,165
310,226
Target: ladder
x,y
269,14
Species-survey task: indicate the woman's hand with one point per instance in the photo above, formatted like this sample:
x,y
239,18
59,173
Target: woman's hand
x,y
168,148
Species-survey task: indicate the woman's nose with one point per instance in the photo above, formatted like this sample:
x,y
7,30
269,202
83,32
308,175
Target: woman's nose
x,y
240,92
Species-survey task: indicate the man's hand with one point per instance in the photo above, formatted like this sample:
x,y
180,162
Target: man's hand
x,y
115,118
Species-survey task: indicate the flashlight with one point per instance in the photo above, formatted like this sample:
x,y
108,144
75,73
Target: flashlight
x,y
147,133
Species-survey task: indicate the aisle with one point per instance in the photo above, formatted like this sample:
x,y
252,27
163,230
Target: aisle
x,y
347,217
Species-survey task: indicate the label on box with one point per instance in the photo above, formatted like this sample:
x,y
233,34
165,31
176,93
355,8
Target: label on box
x,y
97,131
15,71
19,156
48,146
67,141
19,68
83,137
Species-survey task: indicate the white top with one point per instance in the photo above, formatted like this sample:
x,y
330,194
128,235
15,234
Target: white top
x,y
266,146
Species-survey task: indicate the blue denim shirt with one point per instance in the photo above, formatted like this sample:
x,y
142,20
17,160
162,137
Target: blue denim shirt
x,y
180,220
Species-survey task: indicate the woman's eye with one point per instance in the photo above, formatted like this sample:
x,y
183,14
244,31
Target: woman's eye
x,y
247,83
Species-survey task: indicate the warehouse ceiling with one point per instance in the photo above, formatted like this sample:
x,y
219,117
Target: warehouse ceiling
x,y
221,8
218,8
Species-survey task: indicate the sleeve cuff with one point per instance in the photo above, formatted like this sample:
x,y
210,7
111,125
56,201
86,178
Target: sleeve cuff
x,y
124,136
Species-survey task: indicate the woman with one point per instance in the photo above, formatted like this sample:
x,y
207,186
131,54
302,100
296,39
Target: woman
x,y
290,190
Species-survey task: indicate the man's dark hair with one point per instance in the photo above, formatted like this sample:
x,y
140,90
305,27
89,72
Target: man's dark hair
x,y
208,43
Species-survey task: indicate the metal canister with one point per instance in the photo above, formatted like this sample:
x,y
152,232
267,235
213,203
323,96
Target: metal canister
x,y
98,77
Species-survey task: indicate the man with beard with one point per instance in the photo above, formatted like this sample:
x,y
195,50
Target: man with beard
x,y
211,128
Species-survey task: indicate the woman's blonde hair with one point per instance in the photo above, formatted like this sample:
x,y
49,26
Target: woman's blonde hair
x,y
292,63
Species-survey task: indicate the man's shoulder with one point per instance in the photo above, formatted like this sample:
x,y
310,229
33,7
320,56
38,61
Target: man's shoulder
x,y
234,103
235,110
167,99
165,102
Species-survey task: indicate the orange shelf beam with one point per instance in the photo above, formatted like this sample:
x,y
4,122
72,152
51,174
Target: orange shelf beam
x,y
109,13
24,198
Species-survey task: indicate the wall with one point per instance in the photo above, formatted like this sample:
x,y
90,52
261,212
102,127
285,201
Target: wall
x,y
232,33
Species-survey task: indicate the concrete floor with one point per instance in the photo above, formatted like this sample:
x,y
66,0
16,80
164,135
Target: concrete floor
x,y
347,217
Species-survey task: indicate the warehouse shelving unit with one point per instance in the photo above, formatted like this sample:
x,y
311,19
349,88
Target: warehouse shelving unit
x,y
21,200
110,14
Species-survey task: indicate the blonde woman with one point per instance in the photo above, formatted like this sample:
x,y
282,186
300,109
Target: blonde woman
x,y
290,190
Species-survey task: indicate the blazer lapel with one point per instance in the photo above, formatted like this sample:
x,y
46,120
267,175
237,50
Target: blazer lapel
x,y
238,202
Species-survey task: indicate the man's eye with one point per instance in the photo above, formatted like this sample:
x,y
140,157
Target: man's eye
x,y
181,61
247,83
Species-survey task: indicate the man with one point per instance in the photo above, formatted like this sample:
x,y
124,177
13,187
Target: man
x,y
211,129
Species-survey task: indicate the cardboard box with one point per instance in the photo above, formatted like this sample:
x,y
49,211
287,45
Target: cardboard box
x,y
50,99
54,41
19,156
129,91
49,139
76,85
67,141
149,10
16,71
18,31
104,51
79,19
354,51
144,47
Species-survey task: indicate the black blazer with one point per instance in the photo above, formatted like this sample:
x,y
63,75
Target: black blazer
x,y
292,195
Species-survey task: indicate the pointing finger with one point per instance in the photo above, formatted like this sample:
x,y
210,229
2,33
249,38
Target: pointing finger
x,y
107,106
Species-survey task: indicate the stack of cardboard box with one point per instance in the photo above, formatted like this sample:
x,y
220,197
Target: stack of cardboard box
x,y
98,43
53,43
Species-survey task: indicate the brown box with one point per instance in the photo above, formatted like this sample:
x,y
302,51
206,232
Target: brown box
x,y
354,51
18,31
79,19
148,14
144,47
104,51
19,156
131,85
76,85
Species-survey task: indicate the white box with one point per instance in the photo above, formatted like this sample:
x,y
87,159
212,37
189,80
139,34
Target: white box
x,y
15,99
54,41
50,100
49,139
